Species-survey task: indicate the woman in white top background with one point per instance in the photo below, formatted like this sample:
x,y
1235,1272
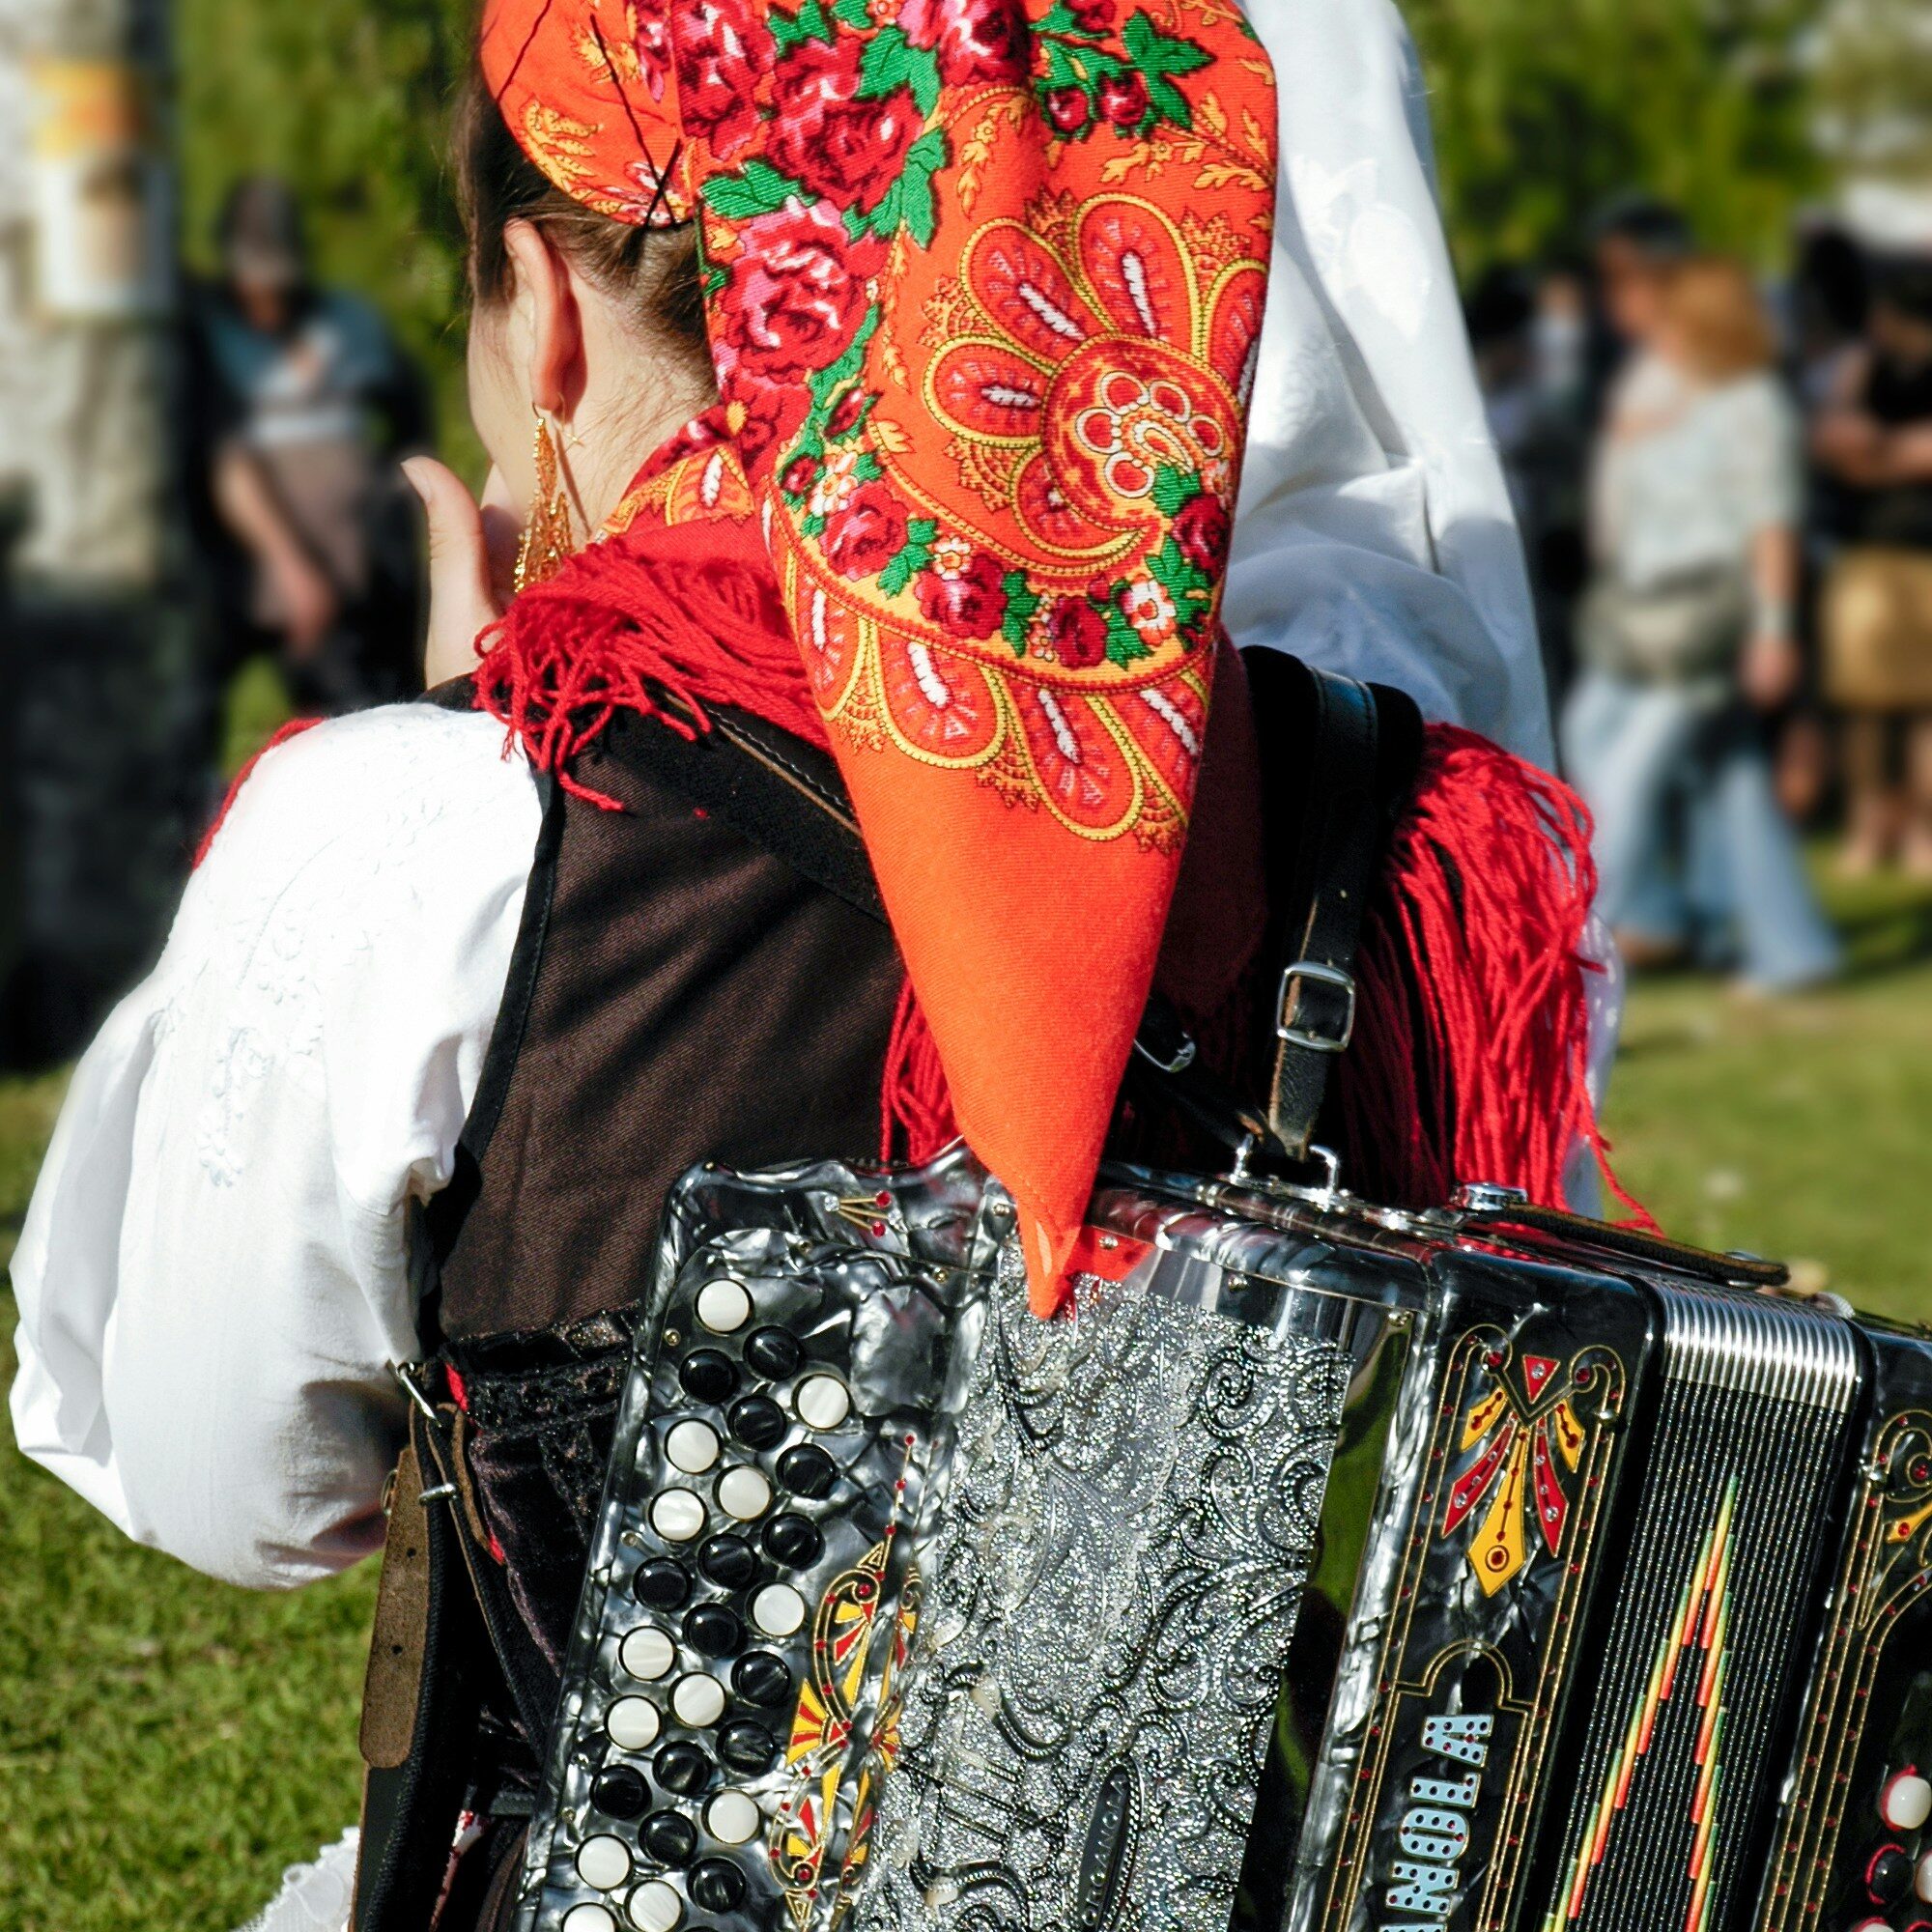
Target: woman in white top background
x,y
1686,637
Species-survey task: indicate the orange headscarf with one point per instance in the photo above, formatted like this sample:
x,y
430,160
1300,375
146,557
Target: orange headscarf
x,y
984,281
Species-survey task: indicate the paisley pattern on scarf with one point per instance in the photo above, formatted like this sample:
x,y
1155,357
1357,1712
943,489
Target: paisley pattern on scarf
x,y
985,282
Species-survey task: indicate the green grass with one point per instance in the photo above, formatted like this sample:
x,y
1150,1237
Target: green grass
x,y
167,1745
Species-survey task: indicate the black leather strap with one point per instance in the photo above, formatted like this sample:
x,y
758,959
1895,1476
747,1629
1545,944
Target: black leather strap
x,y
1331,854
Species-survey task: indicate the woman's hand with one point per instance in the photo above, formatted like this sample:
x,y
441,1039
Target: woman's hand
x,y
1770,669
472,553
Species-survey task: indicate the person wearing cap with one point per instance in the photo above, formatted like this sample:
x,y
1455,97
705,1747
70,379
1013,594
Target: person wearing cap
x,y
307,401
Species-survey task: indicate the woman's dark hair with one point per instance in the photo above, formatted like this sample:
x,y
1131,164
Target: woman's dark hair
x,y
652,270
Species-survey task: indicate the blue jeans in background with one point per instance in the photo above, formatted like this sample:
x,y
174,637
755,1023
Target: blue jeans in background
x,y
1693,847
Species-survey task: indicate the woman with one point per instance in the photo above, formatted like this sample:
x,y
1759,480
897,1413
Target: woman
x,y
1688,638
437,1025
1874,440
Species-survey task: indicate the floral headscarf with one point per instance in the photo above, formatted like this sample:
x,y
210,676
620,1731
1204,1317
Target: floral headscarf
x,y
985,282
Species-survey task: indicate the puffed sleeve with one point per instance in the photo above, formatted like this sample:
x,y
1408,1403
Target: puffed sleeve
x,y
1375,533
211,1276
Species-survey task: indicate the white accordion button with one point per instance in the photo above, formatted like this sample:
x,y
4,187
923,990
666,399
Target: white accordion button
x,y
589,1918
678,1516
823,1402
655,1907
1921,1879
633,1724
602,1863
648,1654
699,1701
744,1493
693,1447
1906,1801
778,1610
723,1306
732,1819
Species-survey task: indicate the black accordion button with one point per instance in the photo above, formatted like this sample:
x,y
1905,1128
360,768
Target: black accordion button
x,y
717,1886
683,1768
670,1840
761,1678
808,1471
794,1539
713,1631
747,1748
759,1422
731,1562
774,1353
708,1376
1889,1875
661,1584
620,1792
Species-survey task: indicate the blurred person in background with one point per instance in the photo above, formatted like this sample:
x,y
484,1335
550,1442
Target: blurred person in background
x,y
1688,638
1874,439
1530,340
307,404
1637,244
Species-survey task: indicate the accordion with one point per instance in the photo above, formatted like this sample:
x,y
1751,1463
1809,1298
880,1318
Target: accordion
x,y
1329,1568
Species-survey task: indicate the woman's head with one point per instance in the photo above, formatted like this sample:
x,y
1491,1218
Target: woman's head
x,y
596,322
1712,323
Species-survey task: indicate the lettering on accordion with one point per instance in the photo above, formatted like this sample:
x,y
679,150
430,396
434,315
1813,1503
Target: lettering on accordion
x,y
1501,1530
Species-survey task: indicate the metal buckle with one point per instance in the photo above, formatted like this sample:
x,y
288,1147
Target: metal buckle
x,y
1322,976
1181,1061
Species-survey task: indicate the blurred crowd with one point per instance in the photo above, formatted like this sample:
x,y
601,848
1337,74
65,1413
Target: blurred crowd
x,y
1725,492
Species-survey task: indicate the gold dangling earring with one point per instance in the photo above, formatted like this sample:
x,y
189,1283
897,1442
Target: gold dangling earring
x,y
548,540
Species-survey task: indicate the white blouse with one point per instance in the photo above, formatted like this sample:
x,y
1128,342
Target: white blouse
x,y
212,1277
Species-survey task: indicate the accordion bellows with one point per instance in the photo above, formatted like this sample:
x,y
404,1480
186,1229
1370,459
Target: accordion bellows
x,y
1326,1570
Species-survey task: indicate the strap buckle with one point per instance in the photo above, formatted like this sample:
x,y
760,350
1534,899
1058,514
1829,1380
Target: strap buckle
x,y
1333,1039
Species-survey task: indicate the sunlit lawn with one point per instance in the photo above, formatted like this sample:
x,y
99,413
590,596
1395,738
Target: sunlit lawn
x,y
167,1745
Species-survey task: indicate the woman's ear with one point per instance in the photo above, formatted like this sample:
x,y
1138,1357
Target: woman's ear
x,y
553,335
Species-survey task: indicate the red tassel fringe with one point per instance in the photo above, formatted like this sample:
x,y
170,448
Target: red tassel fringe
x,y
1470,1056
617,630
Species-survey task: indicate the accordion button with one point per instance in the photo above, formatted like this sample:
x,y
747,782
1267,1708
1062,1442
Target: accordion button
x,y
732,1819
723,1306
678,1516
716,1885
778,1610
1906,1801
761,1678
655,1907
699,1700
589,1918
759,1422
648,1654
744,1493
772,1353
808,1472
682,1768
661,1584
822,1402
747,1748
603,1862
633,1723
693,1447
670,1840
713,1631
619,1792
1889,1874
1921,1883
794,1539
708,1376
731,1562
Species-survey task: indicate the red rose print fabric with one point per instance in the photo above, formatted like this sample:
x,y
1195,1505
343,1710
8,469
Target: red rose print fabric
x,y
985,282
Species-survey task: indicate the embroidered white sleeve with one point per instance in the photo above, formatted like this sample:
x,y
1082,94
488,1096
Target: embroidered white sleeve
x,y
211,1276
